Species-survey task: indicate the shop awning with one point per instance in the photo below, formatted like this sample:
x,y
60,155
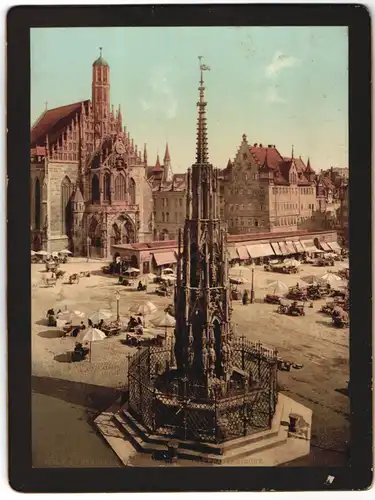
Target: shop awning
x,y
309,246
255,251
290,247
276,248
232,254
324,246
334,246
268,250
283,248
164,258
242,253
299,246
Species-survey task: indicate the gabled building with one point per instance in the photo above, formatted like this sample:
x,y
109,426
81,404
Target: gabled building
x,y
265,191
169,194
89,187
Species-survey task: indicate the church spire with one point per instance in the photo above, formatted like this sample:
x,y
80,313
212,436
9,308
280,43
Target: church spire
x,y
202,146
145,154
167,157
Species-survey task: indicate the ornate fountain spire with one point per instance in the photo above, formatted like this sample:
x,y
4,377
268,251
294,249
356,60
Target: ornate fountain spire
x,y
202,146
203,332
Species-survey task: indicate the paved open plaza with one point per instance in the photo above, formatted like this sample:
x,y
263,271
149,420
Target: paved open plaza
x,y
67,396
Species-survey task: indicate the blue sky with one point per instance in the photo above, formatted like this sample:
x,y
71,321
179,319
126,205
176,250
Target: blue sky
x,y
279,85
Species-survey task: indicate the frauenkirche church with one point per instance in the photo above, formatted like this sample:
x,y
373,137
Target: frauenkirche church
x,y
89,183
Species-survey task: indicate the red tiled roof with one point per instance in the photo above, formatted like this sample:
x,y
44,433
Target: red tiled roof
x,y
53,122
38,151
273,156
300,166
284,169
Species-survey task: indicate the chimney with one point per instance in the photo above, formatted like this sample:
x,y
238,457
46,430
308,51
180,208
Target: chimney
x,y
270,146
255,145
260,145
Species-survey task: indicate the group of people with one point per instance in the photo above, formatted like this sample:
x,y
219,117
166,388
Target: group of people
x,y
135,325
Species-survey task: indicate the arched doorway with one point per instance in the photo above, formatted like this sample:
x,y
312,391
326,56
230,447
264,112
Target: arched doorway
x,y
95,238
128,233
115,234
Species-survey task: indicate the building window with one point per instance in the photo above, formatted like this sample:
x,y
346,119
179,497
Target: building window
x,y
132,192
162,217
167,216
256,224
66,192
95,192
176,216
120,187
107,187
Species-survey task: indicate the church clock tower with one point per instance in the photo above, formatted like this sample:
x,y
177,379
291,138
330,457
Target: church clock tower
x,y
100,95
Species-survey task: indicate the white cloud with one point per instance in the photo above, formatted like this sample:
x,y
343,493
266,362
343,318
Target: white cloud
x,y
161,95
273,95
145,105
279,62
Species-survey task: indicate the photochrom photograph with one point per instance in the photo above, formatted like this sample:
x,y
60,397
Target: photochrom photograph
x,y
189,246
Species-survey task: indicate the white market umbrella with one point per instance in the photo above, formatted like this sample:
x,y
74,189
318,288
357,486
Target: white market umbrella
x,y
165,321
332,279
91,335
71,316
131,270
32,252
67,252
240,280
292,262
42,252
278,287
312,279
100,314
55,254
168,270
143,308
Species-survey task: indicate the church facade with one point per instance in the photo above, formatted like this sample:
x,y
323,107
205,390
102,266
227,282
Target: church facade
x,y
89,186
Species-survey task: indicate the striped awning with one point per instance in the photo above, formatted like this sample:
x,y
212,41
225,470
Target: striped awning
x,y
242,253
268,250
255,251
334,246
276,248
283,248
290,247
232,254
309,246
298,246
324,246
164,258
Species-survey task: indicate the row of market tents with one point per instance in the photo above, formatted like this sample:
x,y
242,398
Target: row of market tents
x,y
281,249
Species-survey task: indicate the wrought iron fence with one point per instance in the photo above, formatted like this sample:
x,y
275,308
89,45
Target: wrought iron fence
x,y
182,408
